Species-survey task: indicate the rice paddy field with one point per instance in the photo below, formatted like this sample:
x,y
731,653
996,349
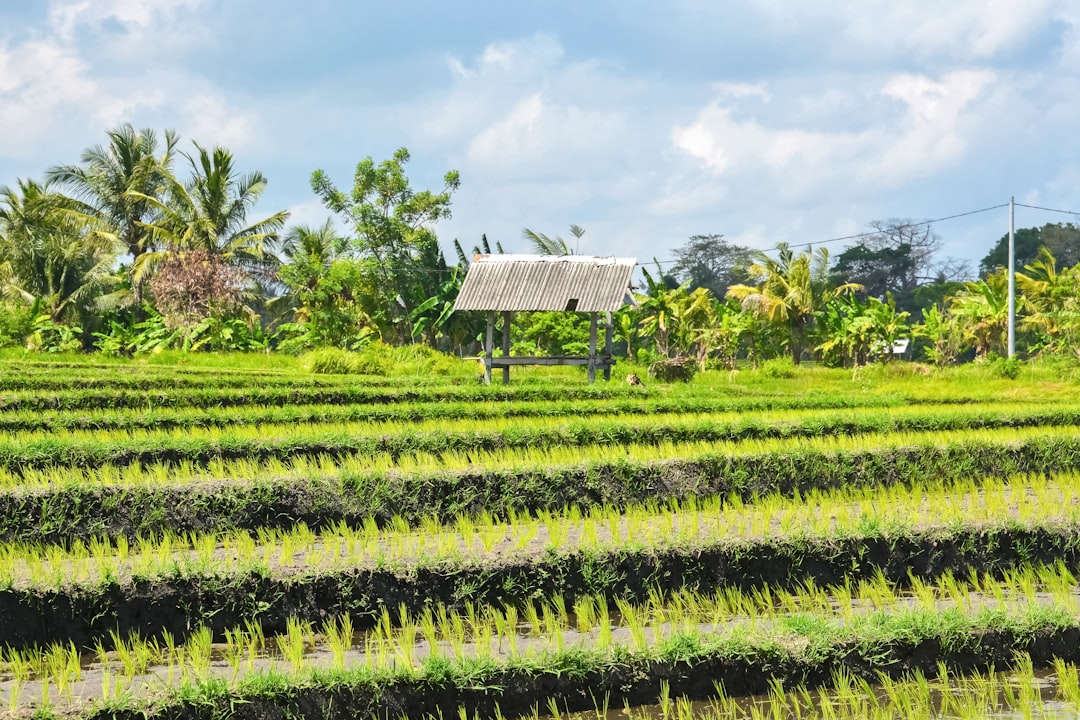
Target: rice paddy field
x,y
234,540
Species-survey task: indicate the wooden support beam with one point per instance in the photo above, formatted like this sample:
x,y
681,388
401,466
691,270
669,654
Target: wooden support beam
x,y
506,344
579,360
489,347
592,348
608,348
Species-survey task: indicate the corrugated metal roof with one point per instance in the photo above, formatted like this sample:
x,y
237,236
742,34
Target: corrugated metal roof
x,y
546,282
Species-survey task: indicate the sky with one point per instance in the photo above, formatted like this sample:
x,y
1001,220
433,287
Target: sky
x,y
765,121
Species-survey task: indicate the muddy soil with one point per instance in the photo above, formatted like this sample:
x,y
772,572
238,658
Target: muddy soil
x,y
110,675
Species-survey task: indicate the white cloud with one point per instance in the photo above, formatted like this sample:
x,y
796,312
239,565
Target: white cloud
x,y
311,213
67,19
55,83
209,119
928,135
501,76
543,138
741,90
41,83
968,30
541,141
934,128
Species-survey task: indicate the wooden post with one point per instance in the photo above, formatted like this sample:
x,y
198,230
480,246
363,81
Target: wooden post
x,y
592,348
489,347
506,345
607,347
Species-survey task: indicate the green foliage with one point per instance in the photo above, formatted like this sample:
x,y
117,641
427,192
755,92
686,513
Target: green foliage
x,y
336,299
1062,240
392,226
381,359
49,336
115,340
16,323
334,361
710,262
116,187
778,368
680,322
49,254
550,333
681,369
1006,367
153,335
982,309
230,334
790,290
544,245
945,333
209,213
852,332
418,360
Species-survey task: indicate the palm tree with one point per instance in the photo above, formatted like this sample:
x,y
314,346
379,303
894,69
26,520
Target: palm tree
x,y
317,246
1049,296
791,288
117,185
545,245
306,255
209,213
48,255
983,309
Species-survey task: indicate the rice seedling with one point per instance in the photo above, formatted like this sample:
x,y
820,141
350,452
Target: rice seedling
x,y
197,653
294,643
559,478
338,633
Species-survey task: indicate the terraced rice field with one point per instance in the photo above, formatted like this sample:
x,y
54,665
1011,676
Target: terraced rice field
x,y
212,543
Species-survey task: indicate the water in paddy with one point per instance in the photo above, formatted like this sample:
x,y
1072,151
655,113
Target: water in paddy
x,y
95,676
1029,697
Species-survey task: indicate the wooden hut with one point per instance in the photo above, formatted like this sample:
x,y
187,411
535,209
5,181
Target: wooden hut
x,y
505,284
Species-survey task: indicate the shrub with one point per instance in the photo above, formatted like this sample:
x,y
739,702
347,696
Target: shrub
x,y
678,369
332,361
1006,367
421,359
778,368
16,323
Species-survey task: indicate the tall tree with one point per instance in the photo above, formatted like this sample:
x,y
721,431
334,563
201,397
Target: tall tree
x,y
211,249
899,256
210,212
1049,297
316,247
393,226
325,285
790,289
117,184
48,256
1061,239
710,262
1063,242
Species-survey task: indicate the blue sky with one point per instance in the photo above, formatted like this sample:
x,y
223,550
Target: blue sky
x,y
764,120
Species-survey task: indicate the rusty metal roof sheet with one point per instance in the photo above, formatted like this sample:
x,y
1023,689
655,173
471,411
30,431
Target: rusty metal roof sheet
x,y
546,282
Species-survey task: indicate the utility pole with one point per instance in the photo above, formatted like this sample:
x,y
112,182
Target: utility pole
x,y
1012,278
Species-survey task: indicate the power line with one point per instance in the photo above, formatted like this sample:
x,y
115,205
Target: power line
x,y
859,236
1038,207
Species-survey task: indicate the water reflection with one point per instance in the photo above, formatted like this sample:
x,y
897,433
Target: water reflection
x,y
1014,695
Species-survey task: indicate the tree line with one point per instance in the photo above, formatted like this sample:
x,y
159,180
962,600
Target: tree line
x,y
143,245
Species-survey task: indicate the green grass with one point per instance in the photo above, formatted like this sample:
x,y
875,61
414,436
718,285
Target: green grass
x,y
644,533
